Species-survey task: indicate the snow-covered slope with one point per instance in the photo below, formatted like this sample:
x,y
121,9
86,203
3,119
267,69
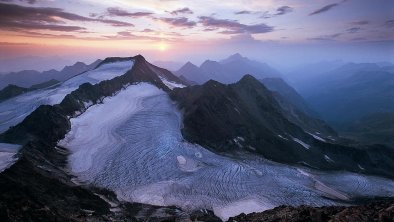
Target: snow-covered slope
x,y
14,110
137,150
7,155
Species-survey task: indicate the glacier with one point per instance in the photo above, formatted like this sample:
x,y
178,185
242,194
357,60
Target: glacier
x,y
132,144
14,110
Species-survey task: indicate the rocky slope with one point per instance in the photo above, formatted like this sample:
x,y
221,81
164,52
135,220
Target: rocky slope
x,y
296,109
382,211
246,116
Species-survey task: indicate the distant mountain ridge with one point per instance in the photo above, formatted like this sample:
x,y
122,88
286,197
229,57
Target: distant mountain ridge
x,y
356,99
27,78
228,70
351,91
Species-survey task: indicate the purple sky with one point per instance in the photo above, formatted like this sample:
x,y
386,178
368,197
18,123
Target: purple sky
x,y
283,32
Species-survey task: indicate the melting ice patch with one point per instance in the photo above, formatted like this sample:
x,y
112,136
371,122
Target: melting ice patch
x,y
170,84
14,110
280,136
306,146
8,155
317,137
137,150
328,159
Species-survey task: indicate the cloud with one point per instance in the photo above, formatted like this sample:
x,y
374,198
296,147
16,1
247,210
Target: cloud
x,y
147,30
114,22
178,22
27,1
46,35
331,37
124,13
279,11
283,10
389,23
243,12
16,17
324,9
353,30
127,35
363,22
266,15
181,11
359,39
234,27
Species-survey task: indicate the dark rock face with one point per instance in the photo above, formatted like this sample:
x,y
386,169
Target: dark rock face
x,y
296,109
377,211
46,123
38,188
215,114
33,189
11,91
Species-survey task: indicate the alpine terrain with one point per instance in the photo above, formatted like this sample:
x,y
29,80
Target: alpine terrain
x,y
126,140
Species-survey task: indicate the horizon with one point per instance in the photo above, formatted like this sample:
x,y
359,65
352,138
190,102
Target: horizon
x,y
62,33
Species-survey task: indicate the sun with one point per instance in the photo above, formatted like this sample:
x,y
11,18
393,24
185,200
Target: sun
x,y
163,46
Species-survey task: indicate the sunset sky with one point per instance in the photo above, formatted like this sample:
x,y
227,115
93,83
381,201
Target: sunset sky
x,y
181,30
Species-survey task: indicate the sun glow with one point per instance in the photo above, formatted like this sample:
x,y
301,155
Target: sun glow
x,y
163,46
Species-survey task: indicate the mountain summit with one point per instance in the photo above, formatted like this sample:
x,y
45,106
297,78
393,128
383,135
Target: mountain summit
x,y
232,58
229,70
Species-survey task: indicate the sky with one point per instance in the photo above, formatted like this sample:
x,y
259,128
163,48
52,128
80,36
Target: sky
x,y
281,32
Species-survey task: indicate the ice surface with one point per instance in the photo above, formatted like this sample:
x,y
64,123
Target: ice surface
x,y
137,150
14,110
171,84
307,146
8,155
280,136
317,137
328,159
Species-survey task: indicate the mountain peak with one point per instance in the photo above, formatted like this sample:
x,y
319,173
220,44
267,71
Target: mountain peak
x,y
208,63
188,67
248,78
189,64
234,57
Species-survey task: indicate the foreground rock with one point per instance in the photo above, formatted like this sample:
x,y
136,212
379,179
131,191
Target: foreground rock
x,y
377,211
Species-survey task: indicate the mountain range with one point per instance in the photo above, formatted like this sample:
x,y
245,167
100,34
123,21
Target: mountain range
x,y
228,70
348,95
28,78
128,140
